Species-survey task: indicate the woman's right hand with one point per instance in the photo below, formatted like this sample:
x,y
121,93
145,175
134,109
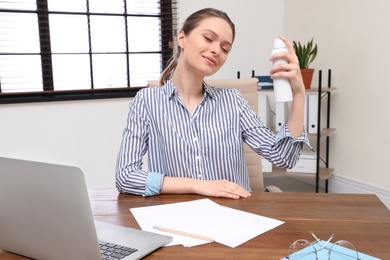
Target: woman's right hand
x,y
221,188
215,188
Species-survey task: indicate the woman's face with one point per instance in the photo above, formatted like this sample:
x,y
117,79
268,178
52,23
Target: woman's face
x,y
205,48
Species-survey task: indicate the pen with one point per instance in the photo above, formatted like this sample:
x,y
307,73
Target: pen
x,y
178,232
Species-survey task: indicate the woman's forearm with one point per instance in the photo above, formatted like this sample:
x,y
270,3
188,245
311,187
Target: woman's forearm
x,y
296,119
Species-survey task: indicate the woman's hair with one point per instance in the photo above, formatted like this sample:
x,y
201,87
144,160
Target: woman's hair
x,y
190,24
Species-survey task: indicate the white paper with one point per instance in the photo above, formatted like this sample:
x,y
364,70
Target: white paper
x,y
204,217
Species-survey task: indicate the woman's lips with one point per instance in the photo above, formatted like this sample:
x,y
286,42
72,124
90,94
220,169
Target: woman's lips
x,y
210,60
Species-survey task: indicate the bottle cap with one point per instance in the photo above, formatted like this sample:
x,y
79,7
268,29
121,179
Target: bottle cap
x,y
278,43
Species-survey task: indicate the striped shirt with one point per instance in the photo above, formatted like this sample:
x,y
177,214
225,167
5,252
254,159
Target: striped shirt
x,y
206,145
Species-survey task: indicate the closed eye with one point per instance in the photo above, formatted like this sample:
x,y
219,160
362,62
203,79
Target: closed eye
x,y
225,48
207,39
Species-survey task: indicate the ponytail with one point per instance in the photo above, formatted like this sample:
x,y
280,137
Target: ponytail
x,y
167,73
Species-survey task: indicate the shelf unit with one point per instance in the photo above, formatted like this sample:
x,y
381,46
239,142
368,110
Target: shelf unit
x,y
322,173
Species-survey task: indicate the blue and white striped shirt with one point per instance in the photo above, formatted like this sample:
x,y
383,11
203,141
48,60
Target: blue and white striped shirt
x,y
207,144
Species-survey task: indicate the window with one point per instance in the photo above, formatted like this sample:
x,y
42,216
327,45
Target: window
x,y
56,50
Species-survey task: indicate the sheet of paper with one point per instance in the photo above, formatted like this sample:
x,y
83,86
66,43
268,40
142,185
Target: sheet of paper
x,y
204,217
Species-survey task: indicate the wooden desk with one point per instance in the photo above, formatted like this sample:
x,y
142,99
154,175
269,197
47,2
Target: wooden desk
x,y
361,219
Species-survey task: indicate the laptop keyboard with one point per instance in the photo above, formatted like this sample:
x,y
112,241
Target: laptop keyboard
x,y
112,251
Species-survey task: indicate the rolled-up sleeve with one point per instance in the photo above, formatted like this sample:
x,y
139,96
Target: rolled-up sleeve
x,y
153,184
287,148
285,132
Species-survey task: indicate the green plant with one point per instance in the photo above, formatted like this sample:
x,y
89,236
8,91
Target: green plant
x,y
306,53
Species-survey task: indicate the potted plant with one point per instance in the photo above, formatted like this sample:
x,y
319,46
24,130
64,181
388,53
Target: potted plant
x,y
306,54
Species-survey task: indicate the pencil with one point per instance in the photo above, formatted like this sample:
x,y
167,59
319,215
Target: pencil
x,y
178,232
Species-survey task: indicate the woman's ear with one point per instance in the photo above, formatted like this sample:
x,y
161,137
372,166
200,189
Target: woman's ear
x,y
180,39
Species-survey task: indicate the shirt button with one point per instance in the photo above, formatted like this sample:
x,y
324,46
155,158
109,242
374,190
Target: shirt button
x,y
197,157
199,176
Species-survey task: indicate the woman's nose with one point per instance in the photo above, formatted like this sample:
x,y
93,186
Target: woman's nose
x,y
215,48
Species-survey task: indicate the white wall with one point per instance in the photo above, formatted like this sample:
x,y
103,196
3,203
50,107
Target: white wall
x,y
354,41
87,134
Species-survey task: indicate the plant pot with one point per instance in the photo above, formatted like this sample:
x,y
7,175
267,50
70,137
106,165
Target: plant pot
x,y
307,75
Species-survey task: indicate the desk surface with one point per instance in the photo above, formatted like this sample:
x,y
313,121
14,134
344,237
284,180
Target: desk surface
x,y
359,218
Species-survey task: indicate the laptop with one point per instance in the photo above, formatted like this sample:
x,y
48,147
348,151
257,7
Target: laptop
x,y
45,213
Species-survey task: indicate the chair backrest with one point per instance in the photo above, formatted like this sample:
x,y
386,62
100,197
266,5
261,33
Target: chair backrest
x,y
248,89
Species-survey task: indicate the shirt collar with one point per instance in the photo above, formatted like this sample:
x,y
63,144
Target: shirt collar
x,y
209,90
171,91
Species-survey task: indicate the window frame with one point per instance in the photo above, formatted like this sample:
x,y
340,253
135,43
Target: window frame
x,y
168,23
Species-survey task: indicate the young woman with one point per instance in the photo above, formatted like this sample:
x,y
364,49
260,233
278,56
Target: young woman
x,y
193,133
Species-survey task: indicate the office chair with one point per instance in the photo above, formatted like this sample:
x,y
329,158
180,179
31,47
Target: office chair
x,y
248,89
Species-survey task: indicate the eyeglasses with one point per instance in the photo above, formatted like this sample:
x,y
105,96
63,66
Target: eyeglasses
x,y
303,249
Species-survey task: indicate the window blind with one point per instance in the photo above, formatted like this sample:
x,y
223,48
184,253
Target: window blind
x,y
53,46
